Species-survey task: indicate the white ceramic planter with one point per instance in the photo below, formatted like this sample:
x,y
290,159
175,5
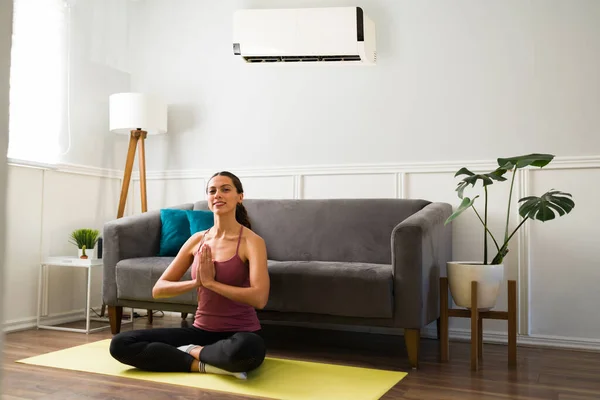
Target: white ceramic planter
x,y
88,252
488,277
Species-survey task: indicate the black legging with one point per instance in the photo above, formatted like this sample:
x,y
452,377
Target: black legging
x,y
156,349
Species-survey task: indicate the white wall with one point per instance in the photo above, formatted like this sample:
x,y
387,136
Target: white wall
x,y
45,206
457,80
457,83
99,68
5,44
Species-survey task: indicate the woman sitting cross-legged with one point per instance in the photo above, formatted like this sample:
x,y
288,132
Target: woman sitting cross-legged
x,y
229,272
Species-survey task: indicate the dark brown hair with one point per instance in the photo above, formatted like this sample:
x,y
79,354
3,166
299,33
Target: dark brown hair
x,y
241,215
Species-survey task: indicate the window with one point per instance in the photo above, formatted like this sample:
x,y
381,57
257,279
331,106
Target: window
x,y
38,112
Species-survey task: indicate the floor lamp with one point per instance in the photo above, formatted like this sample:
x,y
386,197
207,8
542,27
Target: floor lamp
x,y
138,115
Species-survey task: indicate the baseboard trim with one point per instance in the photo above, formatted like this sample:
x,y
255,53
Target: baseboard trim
x,y
55,319
28,323
464,335
561,342
19,325
540,341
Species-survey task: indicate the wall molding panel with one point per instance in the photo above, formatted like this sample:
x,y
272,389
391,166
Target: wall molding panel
x,y
398,180
360,169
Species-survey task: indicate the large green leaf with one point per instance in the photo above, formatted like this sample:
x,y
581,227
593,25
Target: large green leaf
x,y
545,207
472,178
535,159
464,205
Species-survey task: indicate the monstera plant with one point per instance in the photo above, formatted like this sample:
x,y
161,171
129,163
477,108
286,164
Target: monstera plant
x,y
490,274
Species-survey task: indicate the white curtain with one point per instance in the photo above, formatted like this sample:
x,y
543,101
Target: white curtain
x,y
38,114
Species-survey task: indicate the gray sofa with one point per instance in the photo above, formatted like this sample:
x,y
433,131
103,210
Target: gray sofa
x,y
357,262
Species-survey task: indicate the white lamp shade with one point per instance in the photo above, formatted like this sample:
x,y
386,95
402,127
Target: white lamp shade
x,y
129,111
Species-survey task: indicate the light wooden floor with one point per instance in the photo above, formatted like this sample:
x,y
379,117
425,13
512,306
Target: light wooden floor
x,y
543,374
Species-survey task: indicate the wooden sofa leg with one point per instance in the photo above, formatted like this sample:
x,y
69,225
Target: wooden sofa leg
x,y
412,338
115,315
150,315
184,315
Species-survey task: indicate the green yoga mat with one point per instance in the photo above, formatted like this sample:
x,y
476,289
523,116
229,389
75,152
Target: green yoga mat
x,y
276,378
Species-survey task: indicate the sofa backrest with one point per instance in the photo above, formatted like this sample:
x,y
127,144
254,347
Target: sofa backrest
x,y
329,229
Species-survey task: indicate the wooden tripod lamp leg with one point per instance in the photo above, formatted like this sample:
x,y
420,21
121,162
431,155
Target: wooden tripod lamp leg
x,y
142,161
133,139
142,151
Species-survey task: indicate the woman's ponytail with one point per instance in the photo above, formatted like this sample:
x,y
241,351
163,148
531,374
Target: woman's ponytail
x,y
241,215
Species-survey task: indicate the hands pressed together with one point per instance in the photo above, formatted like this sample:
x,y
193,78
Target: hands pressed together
x,y
205,272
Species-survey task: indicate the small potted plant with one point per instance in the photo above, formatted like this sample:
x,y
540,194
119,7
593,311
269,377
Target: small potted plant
x,y
85,239
490,273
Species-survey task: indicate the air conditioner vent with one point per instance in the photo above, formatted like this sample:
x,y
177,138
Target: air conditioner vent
x,y
259,59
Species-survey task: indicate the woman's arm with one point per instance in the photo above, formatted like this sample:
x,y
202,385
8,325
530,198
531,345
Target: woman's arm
x,y
168,285
257,294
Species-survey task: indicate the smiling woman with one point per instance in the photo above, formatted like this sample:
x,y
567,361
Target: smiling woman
x,y
229,184
228,265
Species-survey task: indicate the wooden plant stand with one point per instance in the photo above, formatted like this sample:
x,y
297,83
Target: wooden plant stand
x,y
477,317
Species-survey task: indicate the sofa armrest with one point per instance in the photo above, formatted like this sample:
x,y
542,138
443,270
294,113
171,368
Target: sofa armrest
x,y
130,237
421,247
127,237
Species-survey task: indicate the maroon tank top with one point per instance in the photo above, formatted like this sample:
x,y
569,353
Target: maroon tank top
x,y
216,312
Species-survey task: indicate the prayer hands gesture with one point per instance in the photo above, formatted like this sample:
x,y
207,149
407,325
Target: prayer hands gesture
x,y
205,272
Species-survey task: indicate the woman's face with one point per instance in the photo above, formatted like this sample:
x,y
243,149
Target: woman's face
x,y
222,195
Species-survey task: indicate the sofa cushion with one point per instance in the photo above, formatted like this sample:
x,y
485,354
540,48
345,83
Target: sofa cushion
x,y
349,230
136,278
334,288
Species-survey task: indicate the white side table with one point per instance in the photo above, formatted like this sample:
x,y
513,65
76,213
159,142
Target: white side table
x,y
75,262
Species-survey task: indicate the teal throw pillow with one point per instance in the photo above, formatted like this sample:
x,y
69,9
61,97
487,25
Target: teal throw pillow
x,y
174,232
200,220
178,226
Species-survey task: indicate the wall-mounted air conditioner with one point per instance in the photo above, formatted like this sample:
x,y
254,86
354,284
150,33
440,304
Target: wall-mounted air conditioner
x,y
330,35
